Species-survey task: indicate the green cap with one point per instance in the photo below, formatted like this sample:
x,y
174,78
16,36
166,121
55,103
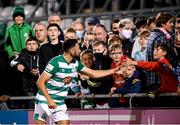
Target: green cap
x,y
18,11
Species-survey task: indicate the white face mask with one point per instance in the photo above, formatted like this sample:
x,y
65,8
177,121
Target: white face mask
x,y
79,34
126,33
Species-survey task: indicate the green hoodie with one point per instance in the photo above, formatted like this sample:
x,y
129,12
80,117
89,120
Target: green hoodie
x,y
16,36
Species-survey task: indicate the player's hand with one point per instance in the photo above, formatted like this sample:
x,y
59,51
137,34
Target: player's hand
x,y
83,77
52,104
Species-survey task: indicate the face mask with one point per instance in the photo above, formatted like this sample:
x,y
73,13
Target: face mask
x,y
98,56
127,34
79,34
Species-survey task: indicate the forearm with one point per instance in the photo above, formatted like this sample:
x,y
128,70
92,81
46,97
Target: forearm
x,y
134,63
41,85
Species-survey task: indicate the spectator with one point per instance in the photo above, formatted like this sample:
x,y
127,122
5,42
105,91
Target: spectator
x,y
88,41
151,24
114,40
140,26
100,52
141,54
168,81
92,21
125,33
52,48
78,26
41,33
115,26
15,43
70,33
100,33
132,84
161,34
116,53
88,86
27,62
55,18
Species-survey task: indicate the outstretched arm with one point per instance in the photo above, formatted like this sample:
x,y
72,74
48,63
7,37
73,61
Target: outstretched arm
x,y
99,73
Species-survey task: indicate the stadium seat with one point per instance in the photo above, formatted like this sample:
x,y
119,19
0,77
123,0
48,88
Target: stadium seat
x,y
40,12
20,2
28,10
106,23
66,23
7,12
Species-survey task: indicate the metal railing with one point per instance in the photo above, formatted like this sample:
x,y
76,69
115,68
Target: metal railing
x,y
130,97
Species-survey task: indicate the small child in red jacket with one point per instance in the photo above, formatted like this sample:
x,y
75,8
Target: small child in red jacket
x,y
116,53
168,81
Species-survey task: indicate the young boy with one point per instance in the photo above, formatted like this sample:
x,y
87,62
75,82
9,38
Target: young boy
x,y
89,85
116,53
132,81
141,54
96,86
51,49
27,63
168,82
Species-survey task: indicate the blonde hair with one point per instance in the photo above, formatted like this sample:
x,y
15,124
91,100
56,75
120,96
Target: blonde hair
x,y
114,47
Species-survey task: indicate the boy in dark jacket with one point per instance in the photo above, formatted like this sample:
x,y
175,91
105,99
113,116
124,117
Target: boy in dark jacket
x,y
132,85
27,63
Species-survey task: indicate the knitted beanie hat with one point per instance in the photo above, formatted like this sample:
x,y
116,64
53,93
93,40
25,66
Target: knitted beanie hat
x,y
18,11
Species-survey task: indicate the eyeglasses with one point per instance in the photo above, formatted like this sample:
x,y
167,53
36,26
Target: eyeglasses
x,y
117,53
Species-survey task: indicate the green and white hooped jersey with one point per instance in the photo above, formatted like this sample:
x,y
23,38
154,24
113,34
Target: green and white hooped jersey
x,y
59,69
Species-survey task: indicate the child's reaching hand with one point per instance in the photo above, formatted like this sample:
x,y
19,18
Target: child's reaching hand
x,y
112,91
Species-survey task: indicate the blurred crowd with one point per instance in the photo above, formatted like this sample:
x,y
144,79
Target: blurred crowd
x,y
147,49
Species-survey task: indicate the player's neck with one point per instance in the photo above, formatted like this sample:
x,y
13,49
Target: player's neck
x,y
68,57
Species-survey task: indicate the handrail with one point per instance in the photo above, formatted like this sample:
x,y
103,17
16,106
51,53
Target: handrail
x,y
68,97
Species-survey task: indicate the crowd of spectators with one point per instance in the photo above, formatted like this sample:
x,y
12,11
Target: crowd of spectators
x,y
154,46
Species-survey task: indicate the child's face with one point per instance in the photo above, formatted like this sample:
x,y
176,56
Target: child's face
x,y
116,55
19,20
98,49
158,53
143,41
129,71
87,60
31,46
53,33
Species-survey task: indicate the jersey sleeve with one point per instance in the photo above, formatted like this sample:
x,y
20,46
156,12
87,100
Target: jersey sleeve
x,y
80,66
52,66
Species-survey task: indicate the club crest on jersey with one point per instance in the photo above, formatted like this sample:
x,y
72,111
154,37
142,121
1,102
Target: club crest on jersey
x,y
49,67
